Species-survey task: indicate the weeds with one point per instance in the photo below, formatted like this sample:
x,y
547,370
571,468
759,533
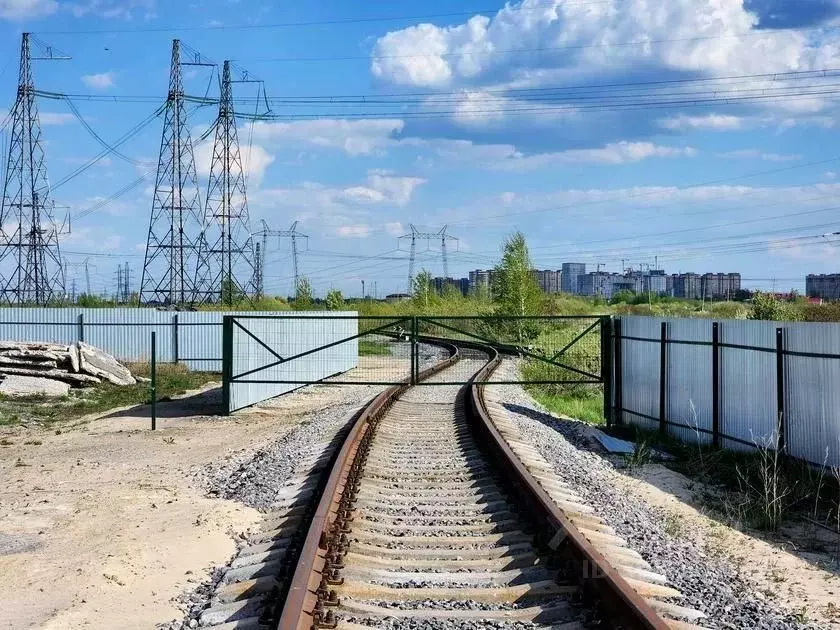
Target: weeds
x,y
641,455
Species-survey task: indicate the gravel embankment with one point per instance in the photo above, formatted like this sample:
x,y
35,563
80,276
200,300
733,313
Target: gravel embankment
x,y
711,585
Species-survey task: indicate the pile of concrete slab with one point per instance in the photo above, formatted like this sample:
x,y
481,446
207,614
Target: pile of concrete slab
x,y
78,365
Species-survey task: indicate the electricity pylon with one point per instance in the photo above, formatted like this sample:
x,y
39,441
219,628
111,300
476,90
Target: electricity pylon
x,y
172,248
292,234
228,271
416,235
31,270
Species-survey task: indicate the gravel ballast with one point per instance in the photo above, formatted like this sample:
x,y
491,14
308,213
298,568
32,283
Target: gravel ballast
x,y
710,585
257,478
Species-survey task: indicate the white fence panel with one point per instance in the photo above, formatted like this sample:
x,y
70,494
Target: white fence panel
x,y
263,355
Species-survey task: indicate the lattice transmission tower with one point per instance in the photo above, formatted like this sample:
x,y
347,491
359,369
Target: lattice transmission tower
x,y
228,265
415,235
31,270
173,245
293,234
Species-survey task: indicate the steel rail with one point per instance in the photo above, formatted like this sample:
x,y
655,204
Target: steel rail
x,y
309,596
304,598
598,576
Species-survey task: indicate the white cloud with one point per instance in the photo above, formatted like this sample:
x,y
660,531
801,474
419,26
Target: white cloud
x,y
52,119
353,231
113,9
613,154
354,137
254,163
714,122
706,36
394,228
101,81
26,9
755,154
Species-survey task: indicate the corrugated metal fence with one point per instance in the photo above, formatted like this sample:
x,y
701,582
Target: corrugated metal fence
x,y
269,355
188,337
735,383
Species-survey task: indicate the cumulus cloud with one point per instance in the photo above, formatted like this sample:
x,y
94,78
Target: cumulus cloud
x,y
706,36
615,153
714,122
755,154
353,231
100,81
113,9
354,137
53,119
394,228
254,162
26,9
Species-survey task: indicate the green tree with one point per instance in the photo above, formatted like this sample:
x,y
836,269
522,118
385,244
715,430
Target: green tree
x,y
231,293
303,295
424,289
514,289
335,300
765,306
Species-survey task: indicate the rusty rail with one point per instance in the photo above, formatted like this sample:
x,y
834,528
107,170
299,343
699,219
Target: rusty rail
x,y
309,596
597,574
319,559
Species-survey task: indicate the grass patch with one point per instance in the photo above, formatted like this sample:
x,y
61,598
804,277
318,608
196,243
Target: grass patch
x,y
369,348
755,489
172,380
586,407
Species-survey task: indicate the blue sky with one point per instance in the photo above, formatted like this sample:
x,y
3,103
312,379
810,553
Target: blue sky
x,y
548,116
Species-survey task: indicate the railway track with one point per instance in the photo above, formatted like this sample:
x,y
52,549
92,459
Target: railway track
x,y
435,515
430,511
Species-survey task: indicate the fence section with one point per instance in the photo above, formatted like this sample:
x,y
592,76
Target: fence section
x,y
266,356
189,337
735,383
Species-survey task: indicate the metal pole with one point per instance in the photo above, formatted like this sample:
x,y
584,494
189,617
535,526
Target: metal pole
x,y
781,421
663,373
606,366
175,332
227,361
415,362
81,327
716,384
153,383
618,417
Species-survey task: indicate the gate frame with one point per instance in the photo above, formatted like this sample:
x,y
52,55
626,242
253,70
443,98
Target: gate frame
x,y
412,322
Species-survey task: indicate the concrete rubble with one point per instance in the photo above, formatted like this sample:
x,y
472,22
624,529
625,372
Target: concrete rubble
x,y
77,365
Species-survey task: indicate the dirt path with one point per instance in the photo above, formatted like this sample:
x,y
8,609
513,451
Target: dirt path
x,y
101,525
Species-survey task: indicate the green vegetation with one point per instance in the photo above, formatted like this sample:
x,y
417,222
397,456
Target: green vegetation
x,y
756,489
172,380
588,407
369,348
335,300
303,295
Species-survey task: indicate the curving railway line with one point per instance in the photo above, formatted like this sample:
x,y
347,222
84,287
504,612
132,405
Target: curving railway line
x,y
431,512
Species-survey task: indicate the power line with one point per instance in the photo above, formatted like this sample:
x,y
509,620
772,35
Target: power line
x,y
328,22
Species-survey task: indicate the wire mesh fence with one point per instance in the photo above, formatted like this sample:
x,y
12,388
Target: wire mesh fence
x,y
267,356
554,350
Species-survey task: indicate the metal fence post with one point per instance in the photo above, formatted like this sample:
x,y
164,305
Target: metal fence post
x,y
153,382
175,353
607,366
781,421
618,417
715,384
80,326
227,361
415,351
663,373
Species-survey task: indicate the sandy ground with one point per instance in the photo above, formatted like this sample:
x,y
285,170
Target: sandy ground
x,y
101,525
781,569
